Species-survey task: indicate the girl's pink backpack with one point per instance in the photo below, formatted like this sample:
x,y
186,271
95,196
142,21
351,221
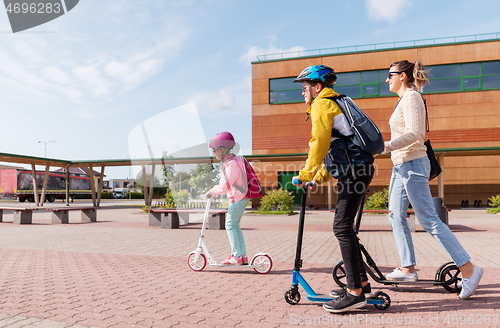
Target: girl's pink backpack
x,y
252,189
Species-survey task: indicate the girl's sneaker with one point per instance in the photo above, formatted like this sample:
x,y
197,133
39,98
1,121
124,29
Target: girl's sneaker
x,y
232,260
244,259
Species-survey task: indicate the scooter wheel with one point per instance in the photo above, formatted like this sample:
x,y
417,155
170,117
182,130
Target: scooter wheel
x,y
197,266
449,276
292,296
385,298
339,275
440,269
263,264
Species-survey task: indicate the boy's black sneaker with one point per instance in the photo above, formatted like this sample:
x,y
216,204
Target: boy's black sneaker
x,y
345,302
367,290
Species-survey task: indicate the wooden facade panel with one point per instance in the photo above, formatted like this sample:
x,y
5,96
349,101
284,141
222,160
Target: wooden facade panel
x,y
281,131
460,53
260,98
368,60
283,109
281,120
261,85
433,55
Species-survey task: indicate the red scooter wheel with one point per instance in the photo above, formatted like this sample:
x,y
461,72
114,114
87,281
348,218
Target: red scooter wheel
x,y
194,265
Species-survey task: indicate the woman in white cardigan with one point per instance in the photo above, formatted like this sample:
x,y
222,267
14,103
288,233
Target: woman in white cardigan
x,y
410,179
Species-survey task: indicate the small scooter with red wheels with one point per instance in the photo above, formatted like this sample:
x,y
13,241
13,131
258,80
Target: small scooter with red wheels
x,y
380,299
197,259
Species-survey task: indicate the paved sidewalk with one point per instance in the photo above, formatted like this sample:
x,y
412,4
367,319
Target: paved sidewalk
x,y
119,272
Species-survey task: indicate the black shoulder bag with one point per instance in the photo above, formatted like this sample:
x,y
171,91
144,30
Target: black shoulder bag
x,y
435,168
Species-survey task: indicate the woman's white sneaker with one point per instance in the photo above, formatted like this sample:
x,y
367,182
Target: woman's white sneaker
x,y
469,285
399,275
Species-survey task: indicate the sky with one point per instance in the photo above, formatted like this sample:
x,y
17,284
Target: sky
x,y
109,77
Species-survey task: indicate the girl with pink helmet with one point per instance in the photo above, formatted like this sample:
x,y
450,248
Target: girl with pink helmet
x,y
233,184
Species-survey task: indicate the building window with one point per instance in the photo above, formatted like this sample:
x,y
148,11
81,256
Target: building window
x,y
283,91
369,84
116,184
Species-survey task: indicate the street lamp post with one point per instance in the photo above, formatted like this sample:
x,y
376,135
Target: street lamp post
x,y
45,142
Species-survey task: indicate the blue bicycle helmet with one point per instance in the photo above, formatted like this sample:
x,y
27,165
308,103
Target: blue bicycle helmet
x,y
317,73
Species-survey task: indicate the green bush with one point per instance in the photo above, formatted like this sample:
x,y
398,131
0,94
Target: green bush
x,y
137,195
181,197
169,200
104,195
494,201
378,200
493,210
280,199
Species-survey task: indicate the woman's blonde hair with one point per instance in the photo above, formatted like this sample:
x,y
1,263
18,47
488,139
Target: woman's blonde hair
x,y
417,75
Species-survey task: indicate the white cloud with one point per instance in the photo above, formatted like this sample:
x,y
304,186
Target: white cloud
x,y
133,72
387,10
253,52
101,61
56,75
93,80
222,101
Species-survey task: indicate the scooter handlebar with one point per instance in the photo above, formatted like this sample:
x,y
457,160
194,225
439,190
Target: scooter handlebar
x,y
296,181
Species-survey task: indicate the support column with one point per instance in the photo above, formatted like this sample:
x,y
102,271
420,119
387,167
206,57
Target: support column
x,y
151,185
45,180
99,193
35,184
92,184
68,168
144,185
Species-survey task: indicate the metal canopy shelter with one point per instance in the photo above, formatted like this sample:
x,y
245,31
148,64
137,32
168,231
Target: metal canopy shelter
x,y
48,162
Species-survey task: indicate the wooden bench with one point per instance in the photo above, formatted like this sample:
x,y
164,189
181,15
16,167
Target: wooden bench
x,y
410,216
61,214
168,218
22,215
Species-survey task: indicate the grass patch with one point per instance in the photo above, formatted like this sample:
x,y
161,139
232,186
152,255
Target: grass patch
x,y
272,212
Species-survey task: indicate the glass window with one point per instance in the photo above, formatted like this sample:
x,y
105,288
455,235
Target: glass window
x,y
370,90
383,75
443,85
352,91
490,68
471,83
284,84
491,82
369,77
348,78
443,78
470,69
384,89
285,96
437,72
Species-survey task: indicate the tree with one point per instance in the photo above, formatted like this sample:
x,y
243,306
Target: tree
x,y
180,181
139,181
167,170
203,177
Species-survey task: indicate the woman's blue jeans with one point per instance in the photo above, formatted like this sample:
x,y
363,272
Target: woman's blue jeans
x,y
235,211
410,184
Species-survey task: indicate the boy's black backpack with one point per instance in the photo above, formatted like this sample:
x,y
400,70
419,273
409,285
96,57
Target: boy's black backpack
x,y
366,134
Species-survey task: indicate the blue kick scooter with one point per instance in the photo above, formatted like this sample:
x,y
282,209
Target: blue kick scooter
x,y
380,299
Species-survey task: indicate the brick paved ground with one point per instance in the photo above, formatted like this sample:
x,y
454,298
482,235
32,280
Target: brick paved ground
x,y
119,272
